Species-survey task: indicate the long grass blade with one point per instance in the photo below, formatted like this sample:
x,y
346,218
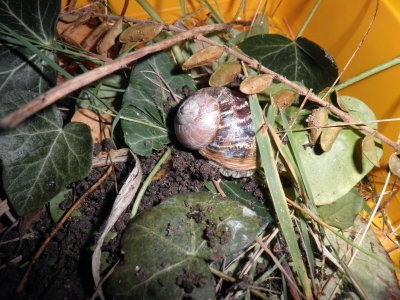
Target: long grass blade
x,y
277,194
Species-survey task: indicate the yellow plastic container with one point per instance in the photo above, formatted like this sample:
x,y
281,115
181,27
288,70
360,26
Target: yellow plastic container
x,y
338,26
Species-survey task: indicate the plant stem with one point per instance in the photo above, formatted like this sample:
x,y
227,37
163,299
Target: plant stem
x,y
310,16
148,180
60,91
370,72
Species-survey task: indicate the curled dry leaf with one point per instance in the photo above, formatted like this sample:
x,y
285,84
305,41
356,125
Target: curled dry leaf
x,y
342,104
142,32
225,73
204,57
95,36
69,17
329,135
109,39
369,149
255,84
285,98
318,118
394,164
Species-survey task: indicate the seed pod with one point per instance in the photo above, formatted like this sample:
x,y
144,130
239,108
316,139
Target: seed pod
x,y
329,136
369,149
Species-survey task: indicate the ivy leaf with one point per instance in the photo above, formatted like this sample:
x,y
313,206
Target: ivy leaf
x,y
332,174
300,60
151,83
164,242
344,211
235,192
40,158
19,68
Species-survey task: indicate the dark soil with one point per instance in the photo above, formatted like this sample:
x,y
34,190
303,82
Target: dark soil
x,y
64,269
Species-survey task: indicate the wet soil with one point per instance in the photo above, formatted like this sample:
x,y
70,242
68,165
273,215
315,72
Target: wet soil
x,y
64,269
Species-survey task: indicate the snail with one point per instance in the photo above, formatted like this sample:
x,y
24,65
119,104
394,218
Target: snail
x,y
217,122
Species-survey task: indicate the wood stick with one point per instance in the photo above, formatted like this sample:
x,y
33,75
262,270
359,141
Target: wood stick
x,y
58,92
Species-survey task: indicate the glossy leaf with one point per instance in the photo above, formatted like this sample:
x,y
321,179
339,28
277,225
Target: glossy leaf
x,y
204,57
342,213
300,60
39,157
255,84
150,85
225,74
19,68
332,174
235,192
369,149
165,241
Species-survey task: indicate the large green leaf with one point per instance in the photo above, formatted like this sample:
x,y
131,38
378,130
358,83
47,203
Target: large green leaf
x,y
39,157
164,242
300,60
343,211
20,68
332,174
151,83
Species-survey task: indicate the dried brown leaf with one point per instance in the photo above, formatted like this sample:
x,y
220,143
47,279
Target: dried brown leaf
x,y
318,118
394,164
329,136
204,57
109,39
142,32
225,73
369,149
342,104
285,98
255,84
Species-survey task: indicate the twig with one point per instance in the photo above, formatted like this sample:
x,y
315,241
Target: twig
x,y
304,92
58,92
276,261
60,224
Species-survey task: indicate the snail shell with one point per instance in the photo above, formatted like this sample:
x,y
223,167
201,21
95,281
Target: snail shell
x,y
217,122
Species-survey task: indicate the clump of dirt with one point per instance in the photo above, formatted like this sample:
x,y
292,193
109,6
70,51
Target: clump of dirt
x,y
188,280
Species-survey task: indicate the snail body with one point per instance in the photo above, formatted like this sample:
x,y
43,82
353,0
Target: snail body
x,y
217,122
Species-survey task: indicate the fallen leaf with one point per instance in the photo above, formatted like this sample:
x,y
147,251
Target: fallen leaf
x,y
100,124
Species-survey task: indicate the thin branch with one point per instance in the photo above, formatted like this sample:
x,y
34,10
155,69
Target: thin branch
x,y
60,91
304,92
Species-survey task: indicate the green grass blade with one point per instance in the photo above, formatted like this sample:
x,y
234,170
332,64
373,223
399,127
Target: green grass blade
x,y
277,194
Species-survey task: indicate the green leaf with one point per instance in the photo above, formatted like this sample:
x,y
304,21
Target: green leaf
x,y
165,241
376,279
300,60
332,174
235,192
275,187
56,211
19,67
151,83
39,157
343,211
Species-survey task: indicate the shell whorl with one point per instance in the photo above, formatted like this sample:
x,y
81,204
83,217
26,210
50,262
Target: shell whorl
x,y
225,115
